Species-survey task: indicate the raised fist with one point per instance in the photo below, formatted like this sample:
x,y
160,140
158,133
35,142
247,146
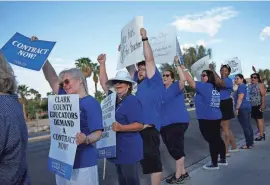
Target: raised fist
x,y
143,33
101,59
34,38
211,67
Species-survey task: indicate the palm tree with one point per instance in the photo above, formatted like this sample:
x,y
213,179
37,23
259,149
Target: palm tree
x,y
95,69
100,96
23,91
85,65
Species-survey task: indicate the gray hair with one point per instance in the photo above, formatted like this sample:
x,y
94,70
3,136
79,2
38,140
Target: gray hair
x,y
76,73
8,82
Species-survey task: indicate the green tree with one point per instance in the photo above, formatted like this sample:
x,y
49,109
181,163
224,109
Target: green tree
x,y
24,92
265,75
85,65
99,95
95,69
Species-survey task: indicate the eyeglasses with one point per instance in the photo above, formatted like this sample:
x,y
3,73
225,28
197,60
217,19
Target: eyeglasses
x,y
166,75
203,75
254,77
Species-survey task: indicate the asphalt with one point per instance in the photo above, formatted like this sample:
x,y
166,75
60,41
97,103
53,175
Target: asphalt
x,y
195,147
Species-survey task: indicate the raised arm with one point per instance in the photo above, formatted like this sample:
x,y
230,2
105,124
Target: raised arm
x,y
182,77
148,55
132,68
189,78
262,91
102,72
219,81
49,73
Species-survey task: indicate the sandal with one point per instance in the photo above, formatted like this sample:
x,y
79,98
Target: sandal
x,y
245,147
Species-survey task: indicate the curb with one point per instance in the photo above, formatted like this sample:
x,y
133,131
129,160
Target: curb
x,y
39,138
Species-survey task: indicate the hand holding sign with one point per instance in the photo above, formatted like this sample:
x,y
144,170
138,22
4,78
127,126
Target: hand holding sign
x,y
254,69
33,38
80,138
101,59
176,60
143,33
211,67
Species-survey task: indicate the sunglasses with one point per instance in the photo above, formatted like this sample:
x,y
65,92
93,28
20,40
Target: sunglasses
x,y
203,75
66,82
254,77
166,75
118,81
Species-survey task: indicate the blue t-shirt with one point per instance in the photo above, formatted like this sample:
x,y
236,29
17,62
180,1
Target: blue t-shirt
x,y
129,145
90,121
149,93
207,101
225,93
242,89
173,106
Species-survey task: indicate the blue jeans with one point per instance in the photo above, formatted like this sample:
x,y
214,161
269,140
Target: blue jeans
x,y
128,174
244,117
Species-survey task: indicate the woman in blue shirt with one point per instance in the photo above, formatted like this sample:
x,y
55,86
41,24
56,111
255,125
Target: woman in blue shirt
x,y
207,101
226,104
175,121
243,110
129,122
72,81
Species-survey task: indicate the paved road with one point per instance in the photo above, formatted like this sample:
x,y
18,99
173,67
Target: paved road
x,y
195,146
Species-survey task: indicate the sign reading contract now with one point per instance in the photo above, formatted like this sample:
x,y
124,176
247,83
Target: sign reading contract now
x,y
64,116
23,52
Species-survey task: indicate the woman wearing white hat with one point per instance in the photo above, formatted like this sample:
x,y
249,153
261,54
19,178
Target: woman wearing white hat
x,y
128,116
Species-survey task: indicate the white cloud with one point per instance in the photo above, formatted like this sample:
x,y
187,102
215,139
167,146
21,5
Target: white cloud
x,y
206,22
202,42
265,33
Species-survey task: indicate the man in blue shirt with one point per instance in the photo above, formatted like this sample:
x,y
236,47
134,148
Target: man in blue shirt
x,y
149,93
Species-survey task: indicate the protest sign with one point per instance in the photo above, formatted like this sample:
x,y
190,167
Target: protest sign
x,y
131,43
235,65
106,146
198,67
64,116
23,52
164,45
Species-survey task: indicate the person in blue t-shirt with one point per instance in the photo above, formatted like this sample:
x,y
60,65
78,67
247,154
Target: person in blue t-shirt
x,y
175,120
243,110
72,81
149,93
129,121
207,102
226,105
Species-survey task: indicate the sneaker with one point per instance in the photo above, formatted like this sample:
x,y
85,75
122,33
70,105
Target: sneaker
x,y
222,162
185,176
234,150
228,155
211,167
174,180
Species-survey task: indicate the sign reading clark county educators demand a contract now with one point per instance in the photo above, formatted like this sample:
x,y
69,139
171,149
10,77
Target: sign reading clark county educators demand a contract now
x,y
64,116
23,52
106,146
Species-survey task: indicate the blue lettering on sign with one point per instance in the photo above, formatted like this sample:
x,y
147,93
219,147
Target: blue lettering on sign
x,y
215,100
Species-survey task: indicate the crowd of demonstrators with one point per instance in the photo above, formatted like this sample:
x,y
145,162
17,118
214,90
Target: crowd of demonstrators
x,y
157,110
14,132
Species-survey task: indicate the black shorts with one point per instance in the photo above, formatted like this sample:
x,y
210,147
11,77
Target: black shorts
x,y
226,107
173,138
151,163
256,113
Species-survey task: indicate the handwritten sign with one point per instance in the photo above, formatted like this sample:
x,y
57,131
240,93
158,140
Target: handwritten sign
x,y
131,43
198,67
64,116
106,146
164,45
235,65
23,52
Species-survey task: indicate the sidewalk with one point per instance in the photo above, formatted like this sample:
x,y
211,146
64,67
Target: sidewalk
x,y
247,167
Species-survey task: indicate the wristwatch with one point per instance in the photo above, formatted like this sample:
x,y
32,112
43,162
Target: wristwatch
x,y
144,39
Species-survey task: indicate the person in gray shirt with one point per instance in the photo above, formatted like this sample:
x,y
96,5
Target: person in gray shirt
x,y
13,131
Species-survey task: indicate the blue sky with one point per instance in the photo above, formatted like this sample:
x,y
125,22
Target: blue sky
x,y
86,29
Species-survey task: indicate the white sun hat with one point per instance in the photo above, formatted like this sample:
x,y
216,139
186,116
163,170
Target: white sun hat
x,y
121,76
